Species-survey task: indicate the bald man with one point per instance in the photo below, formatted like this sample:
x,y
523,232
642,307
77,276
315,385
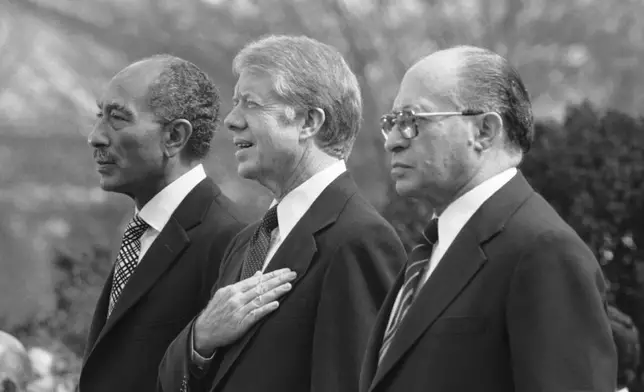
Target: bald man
x,y
15,367
501,295
154,126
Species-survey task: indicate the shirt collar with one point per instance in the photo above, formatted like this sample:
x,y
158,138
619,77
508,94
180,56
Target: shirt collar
x,y
159,209
295,204
456,215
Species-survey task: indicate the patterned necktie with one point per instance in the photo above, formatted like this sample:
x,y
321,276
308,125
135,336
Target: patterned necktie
x,y
259,244
418,262
127,258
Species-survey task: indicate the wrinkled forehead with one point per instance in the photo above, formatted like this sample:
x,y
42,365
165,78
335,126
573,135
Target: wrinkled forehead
x,y
255,84
118,96
428,86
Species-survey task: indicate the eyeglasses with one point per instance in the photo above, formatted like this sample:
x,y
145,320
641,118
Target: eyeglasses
x,y
405,120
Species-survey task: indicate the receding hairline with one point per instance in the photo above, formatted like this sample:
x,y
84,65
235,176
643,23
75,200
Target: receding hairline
x,y
147,69
439,73
150,69
460,57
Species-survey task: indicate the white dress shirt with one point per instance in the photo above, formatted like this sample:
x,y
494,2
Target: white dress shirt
x,y
455,216
157,212
289,211
295,204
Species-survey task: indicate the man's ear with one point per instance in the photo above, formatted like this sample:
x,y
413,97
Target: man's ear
x,y
489,127
313,121
176,136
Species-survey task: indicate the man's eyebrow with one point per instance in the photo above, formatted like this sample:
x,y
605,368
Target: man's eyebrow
x,y
115,106
416,107
398,108
245,96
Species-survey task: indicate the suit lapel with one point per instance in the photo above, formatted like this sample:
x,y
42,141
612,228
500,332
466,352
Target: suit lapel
x,y
296,253
164,251
375,338
460,264
100,313
238,256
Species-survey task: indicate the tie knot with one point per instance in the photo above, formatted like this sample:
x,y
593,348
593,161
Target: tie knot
x,y
269,221
136,227
431,232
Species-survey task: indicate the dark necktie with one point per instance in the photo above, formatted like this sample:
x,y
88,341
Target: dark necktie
x,y
416,266
259,244
127,258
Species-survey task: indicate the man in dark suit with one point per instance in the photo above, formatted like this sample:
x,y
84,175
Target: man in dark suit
x,y
502,295
155,122
296,114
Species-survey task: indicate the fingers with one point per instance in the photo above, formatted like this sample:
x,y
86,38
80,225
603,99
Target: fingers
x,y
258,313
253,281
267,298
266,283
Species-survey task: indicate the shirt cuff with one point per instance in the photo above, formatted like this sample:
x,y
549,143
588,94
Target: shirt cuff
x,y
200,363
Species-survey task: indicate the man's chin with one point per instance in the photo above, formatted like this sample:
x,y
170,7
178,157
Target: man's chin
x,y
246,171
109,185
405,188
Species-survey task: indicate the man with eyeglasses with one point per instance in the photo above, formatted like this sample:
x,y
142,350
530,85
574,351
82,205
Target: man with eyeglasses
x,y
501,295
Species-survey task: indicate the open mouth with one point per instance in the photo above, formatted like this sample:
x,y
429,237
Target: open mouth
x,y
242,144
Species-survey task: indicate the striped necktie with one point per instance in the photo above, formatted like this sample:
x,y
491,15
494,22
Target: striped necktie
x,y
127,259
416,265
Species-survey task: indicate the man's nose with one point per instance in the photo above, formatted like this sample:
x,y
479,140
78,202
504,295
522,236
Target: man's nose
x,y
234,121
395,142
97,137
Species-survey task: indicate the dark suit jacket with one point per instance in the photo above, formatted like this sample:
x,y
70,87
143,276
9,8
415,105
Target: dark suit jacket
x,y
346,257
515,304
169,286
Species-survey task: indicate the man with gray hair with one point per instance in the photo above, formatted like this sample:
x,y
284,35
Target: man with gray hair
x,y
154,126
501,295
296,114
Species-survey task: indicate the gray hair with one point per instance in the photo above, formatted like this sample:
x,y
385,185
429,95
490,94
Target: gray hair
x,y
309,74
488,82
183,91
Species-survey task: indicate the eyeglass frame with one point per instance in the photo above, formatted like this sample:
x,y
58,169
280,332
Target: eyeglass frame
x,y
414,116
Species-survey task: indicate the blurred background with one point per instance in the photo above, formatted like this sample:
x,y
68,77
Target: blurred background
x,y
58,231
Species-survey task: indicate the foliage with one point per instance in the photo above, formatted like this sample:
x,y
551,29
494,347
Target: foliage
x,y
626,337
79,282
63,331
591,169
